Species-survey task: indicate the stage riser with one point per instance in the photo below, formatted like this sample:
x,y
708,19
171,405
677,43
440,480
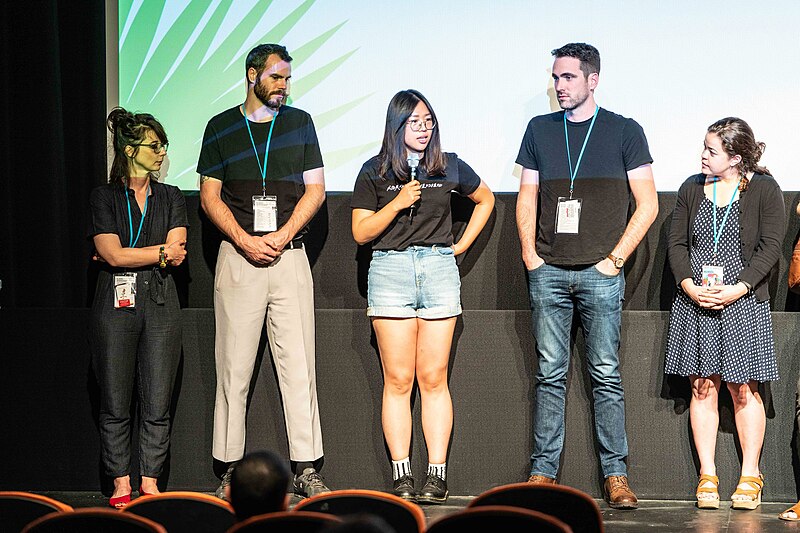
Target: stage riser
x,y
49,404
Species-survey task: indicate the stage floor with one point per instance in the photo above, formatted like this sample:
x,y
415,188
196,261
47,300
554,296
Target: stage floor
x,y
670,516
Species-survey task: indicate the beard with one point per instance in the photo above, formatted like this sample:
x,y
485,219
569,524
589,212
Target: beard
x,y
573,102
268,98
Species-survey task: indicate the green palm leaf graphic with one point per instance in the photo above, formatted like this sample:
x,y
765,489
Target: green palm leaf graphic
x,y
183,61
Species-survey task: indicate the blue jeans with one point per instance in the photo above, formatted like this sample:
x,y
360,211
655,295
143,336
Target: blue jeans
x,y
555,294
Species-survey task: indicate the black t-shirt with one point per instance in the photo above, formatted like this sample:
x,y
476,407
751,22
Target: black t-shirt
x,y
227,155
616,145
432,223
166,210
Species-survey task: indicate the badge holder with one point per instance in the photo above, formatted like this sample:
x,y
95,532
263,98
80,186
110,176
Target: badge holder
x,y
568,215
125,290
265,213
712,276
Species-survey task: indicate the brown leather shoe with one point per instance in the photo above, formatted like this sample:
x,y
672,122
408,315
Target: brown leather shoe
x,y
542,480
618,494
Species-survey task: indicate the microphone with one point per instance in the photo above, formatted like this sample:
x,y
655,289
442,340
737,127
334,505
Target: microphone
x,y
413,163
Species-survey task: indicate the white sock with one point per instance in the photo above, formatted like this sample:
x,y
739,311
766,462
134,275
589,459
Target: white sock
x,y
401,468
439,470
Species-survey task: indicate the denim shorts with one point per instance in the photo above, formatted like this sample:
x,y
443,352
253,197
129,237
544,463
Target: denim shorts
x,y
420,281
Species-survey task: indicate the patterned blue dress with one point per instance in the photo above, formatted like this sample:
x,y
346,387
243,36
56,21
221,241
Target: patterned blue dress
x,y
735,342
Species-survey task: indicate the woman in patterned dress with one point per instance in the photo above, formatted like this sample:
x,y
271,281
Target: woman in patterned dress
x,y
725,241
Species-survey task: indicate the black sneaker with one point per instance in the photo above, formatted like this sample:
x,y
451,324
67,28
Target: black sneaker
x,y
309,483
434,490
404,487
226,480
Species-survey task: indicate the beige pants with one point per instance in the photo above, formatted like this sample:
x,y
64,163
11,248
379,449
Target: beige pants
x,y
244,295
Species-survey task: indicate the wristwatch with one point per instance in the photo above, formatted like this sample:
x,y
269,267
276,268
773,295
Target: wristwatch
x,y
619,262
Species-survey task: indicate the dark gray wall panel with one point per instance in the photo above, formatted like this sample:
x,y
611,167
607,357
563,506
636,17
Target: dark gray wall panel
x,y
492,273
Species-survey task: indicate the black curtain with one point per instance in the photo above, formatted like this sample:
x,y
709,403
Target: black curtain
x,y
53,148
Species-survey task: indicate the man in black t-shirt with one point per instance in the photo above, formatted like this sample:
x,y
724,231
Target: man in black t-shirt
x,y
262,181
580,167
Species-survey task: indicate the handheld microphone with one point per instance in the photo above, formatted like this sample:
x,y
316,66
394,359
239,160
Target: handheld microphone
x,y
413,163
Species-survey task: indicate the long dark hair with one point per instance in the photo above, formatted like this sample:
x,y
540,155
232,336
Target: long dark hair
x,y
393,155
738,139
128,129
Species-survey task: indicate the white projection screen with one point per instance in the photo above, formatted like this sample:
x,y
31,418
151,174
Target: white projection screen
x,y
674,66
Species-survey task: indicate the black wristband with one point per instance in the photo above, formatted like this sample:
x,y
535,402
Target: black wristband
x,y
743,282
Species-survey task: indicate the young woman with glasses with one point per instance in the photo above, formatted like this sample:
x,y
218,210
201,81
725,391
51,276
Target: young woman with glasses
x,y
401,205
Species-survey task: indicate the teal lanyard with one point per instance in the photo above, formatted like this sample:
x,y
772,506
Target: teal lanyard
x,y
131,241
718,233
574,173
266,149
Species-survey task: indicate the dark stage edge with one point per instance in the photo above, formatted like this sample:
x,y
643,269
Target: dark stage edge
x,y
49,401
653,515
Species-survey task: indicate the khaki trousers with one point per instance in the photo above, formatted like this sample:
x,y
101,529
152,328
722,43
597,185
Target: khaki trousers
x,y
244,295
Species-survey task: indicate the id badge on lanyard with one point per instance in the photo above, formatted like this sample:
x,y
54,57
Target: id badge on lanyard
x,y
125,290
568,210
712,274
568,215
265,207
265,213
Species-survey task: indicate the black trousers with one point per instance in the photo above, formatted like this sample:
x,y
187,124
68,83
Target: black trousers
x,y
139,346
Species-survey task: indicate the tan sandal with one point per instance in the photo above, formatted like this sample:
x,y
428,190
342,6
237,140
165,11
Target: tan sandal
x,y
748,498
793,509
708,497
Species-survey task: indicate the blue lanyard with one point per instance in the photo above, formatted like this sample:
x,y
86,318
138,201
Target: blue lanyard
x,y
131,241
718,233
266,149
574,173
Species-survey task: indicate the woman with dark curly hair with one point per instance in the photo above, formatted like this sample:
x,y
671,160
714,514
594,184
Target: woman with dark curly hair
x,y
725,241
138,226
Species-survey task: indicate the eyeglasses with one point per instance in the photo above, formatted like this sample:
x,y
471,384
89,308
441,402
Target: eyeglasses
x,y
156,147
417,125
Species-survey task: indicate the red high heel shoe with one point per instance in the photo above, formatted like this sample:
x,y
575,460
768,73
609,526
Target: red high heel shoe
x,y
120,501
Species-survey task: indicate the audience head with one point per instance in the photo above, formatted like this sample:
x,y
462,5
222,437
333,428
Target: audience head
x,y
259,484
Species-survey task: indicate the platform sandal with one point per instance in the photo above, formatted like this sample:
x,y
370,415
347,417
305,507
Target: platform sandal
x,y
708,492
792,514
748,498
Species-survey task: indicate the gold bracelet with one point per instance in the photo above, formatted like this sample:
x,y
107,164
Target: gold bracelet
x,y
162,258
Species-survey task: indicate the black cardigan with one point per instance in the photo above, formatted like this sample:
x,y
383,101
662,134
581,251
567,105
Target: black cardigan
x,y
762,226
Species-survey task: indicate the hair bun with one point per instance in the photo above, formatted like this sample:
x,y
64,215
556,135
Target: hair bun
x,y
760,150
118,118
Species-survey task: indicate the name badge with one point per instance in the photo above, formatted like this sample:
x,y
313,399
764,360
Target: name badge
x,y
125,290
568,215
712,276
265,213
